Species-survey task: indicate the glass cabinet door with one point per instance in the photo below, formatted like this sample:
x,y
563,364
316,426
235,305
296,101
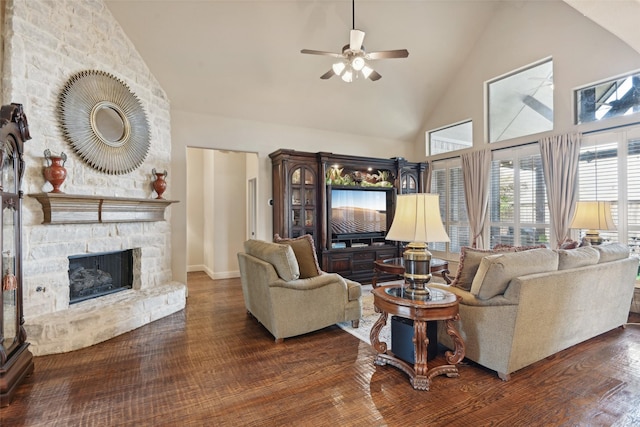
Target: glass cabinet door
x,y
9,245
303,202
9,281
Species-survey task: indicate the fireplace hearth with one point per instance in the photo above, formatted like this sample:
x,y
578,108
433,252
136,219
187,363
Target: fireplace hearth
x,y
95,275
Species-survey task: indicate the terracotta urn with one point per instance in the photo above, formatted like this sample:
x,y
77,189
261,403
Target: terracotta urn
x,y
55,171
160,183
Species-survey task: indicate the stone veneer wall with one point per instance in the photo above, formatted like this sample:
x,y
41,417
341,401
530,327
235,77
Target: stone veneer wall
x,y
45,43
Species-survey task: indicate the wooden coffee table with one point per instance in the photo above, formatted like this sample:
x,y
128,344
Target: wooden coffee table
x,y
396,266
441,305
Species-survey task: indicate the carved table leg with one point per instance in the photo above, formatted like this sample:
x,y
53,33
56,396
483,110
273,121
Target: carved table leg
x,y
420,379
374,335
458,354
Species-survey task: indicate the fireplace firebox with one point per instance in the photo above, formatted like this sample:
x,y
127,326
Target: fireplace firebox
x,y
94,275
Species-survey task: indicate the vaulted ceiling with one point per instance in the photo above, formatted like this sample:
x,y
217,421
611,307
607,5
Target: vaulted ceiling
x,y
241,59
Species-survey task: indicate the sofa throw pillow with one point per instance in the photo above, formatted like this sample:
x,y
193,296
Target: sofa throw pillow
x,y
612,252
280,256
575,258
496,271
468,266
305,252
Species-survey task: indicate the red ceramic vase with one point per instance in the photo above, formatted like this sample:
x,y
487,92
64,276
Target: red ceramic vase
x,y
160,183
55,171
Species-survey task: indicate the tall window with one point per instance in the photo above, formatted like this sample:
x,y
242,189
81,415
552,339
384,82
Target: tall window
x,y
598,176
446,180
518,210
610,171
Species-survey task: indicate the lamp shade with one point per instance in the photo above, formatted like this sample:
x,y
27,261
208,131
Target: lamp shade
x,y
593,215
417,219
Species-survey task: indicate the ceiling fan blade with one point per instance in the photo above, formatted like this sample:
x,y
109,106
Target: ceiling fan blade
x,y
321,52
328,74
356,39
374,76
388,54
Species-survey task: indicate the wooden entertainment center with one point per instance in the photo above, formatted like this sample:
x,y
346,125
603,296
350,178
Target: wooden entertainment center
x,y
304,185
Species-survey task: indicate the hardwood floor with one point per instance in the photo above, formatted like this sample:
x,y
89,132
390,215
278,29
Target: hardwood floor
x,y
213,365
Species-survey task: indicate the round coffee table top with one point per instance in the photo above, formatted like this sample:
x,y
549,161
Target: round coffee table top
x,y
399,262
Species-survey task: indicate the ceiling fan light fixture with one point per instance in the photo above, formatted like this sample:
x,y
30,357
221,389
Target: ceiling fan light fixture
x,y
348,76
358,63
366,71
338,68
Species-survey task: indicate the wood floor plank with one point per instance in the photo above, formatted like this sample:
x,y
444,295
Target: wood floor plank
x,y
213,365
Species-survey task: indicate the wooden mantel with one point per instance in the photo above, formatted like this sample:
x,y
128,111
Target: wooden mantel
x,y
61,208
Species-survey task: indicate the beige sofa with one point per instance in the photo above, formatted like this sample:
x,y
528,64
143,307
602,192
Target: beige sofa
x,y
286,304
525,306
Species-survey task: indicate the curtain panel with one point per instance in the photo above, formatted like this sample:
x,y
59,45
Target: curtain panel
x,y
476,169
560,156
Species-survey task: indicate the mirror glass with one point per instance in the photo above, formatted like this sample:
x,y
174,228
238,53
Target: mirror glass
x,y
110,124
9,282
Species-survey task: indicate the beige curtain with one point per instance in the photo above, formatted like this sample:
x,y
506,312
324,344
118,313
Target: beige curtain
x,y
560,156
427,178
476,168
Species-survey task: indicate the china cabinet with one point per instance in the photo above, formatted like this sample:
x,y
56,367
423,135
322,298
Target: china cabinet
x,y
16,361
306,187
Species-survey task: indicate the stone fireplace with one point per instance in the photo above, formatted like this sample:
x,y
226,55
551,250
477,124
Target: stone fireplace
x,y
82,245
96,218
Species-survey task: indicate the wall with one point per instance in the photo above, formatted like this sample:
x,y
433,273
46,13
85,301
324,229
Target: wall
x,y
520,34
203,131
46,43
195,210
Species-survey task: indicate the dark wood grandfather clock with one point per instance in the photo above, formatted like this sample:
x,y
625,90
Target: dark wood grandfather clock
x,y
16,361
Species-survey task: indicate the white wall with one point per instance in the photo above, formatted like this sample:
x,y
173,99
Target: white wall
x,y
197,130
520,34
195,210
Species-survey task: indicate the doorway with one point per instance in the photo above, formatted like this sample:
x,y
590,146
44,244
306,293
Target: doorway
x,y
221,209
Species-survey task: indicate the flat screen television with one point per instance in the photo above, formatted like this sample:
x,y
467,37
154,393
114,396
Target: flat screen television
x,y
360,212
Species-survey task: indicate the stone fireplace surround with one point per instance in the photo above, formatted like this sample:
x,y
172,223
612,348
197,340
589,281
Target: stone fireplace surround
x,y
63,327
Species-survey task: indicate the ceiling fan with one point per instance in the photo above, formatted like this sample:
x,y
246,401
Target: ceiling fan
x,y
353,59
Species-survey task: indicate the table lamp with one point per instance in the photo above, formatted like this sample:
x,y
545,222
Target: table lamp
x,y
593,216
417,220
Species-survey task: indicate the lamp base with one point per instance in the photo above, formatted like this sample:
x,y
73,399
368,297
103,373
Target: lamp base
x,y
593,236
417,270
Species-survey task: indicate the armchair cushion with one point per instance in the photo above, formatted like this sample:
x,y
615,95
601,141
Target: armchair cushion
x,y
305,253
280,256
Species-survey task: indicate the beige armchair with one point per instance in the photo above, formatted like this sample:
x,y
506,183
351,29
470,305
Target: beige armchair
x,y
286,304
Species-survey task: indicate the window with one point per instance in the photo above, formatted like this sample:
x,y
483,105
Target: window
x,y
613,98
450,138
609,170
521,103
598,177
446,180
518,210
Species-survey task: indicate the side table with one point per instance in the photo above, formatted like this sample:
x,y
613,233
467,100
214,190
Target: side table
x,y
441,305
396,266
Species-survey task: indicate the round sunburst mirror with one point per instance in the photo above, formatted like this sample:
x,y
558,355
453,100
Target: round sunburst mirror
x,y
104,122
